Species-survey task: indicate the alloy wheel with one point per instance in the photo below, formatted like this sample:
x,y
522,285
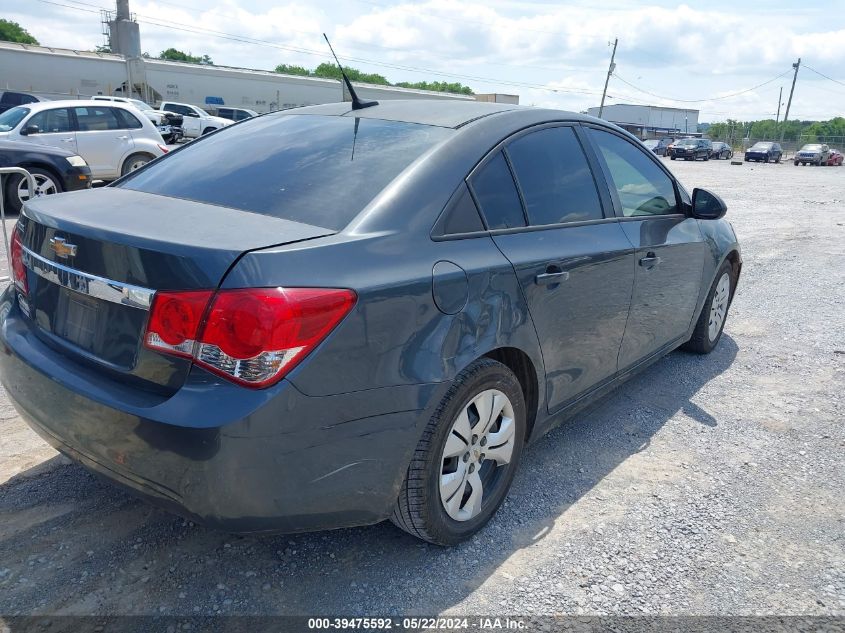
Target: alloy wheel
x,y
477,451
44,186
719,306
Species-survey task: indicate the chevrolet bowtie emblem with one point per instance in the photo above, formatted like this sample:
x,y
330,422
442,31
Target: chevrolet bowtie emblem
x,y
62,248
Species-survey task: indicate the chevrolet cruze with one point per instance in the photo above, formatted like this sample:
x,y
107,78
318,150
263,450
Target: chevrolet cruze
x,y
329,316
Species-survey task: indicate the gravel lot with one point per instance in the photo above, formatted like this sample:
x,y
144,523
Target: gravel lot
x,y
707,485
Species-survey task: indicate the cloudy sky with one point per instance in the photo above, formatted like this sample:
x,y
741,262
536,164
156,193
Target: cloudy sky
x,y
725,58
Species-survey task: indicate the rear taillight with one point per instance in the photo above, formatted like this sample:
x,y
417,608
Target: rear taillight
x,y
250,336
16,256
163,148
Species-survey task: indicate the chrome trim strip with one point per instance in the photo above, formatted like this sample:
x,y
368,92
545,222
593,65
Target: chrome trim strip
x,y
91,285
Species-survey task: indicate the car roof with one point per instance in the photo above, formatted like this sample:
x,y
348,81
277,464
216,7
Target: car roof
x,y
69,103
439,112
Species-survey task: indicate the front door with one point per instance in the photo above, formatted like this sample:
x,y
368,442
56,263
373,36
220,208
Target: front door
x,y
102,139
574,265
55,128
670,248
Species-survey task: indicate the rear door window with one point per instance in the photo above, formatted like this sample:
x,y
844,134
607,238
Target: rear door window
x,y
97,119
320,170
496,193
554,177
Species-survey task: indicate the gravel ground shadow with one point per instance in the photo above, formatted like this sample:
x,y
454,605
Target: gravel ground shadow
x,y
71,544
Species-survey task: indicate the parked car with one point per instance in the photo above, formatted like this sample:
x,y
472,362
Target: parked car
x,y
691,149
721,150
236,114
836,158
54,170
195,121
9,99
112,138
169,124
263,354
658,146
764,152
812,154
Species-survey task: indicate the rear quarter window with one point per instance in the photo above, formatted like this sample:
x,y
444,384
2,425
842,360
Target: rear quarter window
x,y
319,170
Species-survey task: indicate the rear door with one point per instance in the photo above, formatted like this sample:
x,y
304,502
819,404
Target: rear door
x,y
670,248
539,197
55,128
102,139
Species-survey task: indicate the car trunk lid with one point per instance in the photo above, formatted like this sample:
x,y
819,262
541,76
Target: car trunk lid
x,y
95,258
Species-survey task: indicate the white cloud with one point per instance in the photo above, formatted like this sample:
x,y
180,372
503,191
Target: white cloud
x,y
682,52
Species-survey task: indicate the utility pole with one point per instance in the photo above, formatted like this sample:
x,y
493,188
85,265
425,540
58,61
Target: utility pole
x,y
610,70
789,102
780,101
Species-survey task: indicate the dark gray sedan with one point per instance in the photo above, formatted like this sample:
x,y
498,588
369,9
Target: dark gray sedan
x,y
329,317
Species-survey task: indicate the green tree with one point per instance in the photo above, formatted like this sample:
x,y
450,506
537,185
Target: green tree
x,y
331,71
290,69
437,86
178,56
14,32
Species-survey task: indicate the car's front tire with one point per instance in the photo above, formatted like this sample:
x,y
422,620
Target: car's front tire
x,y
17,187
714,313
465,461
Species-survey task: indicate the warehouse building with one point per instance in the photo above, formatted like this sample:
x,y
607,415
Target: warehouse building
x,y
647,122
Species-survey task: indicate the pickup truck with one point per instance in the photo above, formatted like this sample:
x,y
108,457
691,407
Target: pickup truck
x,y
195,121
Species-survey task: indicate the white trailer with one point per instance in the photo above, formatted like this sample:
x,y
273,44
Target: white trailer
x,y
59,73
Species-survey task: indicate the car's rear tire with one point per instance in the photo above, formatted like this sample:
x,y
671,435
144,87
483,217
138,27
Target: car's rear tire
x,y
465,461
17,188
135,161
714,313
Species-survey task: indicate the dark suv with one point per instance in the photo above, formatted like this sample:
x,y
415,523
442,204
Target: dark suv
x,y
691,149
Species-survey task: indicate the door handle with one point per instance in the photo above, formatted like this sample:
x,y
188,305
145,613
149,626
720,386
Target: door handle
x,y
650,260
122,138
551,277
67,140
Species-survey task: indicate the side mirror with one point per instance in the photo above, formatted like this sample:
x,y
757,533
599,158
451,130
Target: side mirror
x,y
707,205
30,129
193,114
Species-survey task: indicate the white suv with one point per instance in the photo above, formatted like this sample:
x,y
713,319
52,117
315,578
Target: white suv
x,y
113,138
195,121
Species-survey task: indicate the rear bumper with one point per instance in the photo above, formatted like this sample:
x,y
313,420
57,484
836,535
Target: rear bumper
x,y
235,459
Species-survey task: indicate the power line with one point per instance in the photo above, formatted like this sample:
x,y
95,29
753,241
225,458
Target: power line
x,y
720,98
836,81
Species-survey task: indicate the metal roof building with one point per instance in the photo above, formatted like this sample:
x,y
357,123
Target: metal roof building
x,y
647,121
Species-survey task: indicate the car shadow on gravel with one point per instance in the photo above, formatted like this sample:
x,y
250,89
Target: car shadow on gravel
x,y
70,543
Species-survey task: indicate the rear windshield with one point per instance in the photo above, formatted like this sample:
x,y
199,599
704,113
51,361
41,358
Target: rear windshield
x,y
320,170
687,142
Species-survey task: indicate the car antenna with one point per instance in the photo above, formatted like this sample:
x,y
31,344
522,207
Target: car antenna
x,y
357,104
